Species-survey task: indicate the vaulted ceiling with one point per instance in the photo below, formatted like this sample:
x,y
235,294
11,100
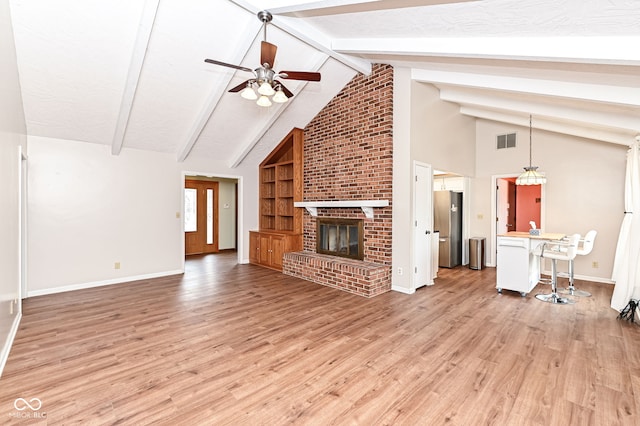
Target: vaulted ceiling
x,y
131,73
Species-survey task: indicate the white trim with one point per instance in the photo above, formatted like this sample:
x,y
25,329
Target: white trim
x,y
491,260
239,212
365,205
582,278
4,355
92,284
403,289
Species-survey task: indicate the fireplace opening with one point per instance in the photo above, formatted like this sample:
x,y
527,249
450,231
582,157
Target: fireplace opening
x,y
340,237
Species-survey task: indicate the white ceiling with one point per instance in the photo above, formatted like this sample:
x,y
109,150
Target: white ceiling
x,y
131,73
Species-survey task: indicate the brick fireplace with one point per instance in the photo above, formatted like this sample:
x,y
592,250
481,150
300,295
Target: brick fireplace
x,y
348,154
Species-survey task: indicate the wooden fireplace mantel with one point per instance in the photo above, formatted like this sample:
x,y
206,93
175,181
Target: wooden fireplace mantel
x,y
366,205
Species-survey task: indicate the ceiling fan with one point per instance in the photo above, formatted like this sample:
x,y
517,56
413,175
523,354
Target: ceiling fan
x,y
264,77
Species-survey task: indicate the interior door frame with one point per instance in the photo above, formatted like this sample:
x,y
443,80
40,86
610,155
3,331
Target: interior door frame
x,y
491,261
240,246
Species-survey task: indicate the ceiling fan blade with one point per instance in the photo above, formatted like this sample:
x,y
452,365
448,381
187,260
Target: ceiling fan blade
x,y
286,91
240,86
268,53
300,75
224,64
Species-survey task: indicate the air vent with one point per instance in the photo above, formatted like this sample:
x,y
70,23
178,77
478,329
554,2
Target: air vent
x,y
506,141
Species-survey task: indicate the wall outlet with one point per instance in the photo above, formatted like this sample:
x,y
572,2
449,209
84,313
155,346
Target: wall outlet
x,y
400,271
116,265
177,215
480,216
594,264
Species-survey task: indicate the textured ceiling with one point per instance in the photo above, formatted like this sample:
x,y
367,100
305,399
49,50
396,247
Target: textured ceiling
x,y
131,73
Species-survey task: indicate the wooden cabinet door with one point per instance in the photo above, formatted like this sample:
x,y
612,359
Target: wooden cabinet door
x,y
277,251
254,247
264,257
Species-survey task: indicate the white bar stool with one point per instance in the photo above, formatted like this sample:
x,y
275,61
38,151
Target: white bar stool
x,y
557,250
583,250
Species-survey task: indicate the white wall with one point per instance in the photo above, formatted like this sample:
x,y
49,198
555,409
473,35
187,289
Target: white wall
x,y
427,130
402,237
12,137
440,135
584,190
89,209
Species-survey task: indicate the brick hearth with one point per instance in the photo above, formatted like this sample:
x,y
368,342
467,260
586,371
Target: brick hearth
x,y
355,276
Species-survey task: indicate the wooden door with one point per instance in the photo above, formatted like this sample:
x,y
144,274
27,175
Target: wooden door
x,y
201,217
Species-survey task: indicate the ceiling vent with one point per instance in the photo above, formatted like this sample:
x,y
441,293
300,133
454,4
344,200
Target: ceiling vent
x,y
506,141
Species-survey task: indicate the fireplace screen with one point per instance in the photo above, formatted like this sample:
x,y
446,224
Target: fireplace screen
x,y
340,237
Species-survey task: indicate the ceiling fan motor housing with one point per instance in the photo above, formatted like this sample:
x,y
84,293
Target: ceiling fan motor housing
x,y
264,74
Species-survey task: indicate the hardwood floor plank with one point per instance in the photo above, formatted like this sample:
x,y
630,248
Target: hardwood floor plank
x,y
239,344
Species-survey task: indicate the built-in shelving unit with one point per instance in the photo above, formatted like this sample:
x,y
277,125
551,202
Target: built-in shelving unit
x,y
280,187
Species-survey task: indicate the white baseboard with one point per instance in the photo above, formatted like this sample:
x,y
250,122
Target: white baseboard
x,y
4,355
402,290
581,277
82,286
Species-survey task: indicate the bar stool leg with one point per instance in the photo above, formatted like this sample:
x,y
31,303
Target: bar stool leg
x,y
553,296
571,289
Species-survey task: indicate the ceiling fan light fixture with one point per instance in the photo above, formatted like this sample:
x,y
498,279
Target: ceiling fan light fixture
x,y
266,89
530,176
280,97
249,93
264,101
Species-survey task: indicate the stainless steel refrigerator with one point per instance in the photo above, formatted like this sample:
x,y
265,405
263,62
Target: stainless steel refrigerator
x,y
447,219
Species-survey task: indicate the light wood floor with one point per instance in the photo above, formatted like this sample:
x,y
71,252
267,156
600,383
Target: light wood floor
x,y
239,344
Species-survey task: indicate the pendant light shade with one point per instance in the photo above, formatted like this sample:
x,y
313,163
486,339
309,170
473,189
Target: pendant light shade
x,y
530,176
264,101
249,93
266,89
280,97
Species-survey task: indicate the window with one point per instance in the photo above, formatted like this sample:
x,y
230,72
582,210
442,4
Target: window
x,y
190,210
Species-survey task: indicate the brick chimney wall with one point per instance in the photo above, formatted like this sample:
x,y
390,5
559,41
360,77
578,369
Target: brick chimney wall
x,y
348,155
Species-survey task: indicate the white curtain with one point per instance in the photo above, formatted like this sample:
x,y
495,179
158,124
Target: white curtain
x,y
626,266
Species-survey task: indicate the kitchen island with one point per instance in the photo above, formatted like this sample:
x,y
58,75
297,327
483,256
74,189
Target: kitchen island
x,y
517,268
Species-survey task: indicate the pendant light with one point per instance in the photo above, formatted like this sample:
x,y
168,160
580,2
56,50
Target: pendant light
x,y
530,176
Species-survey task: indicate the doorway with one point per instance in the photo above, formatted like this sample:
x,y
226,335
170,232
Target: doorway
x,y
513,208
517,206
200,217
